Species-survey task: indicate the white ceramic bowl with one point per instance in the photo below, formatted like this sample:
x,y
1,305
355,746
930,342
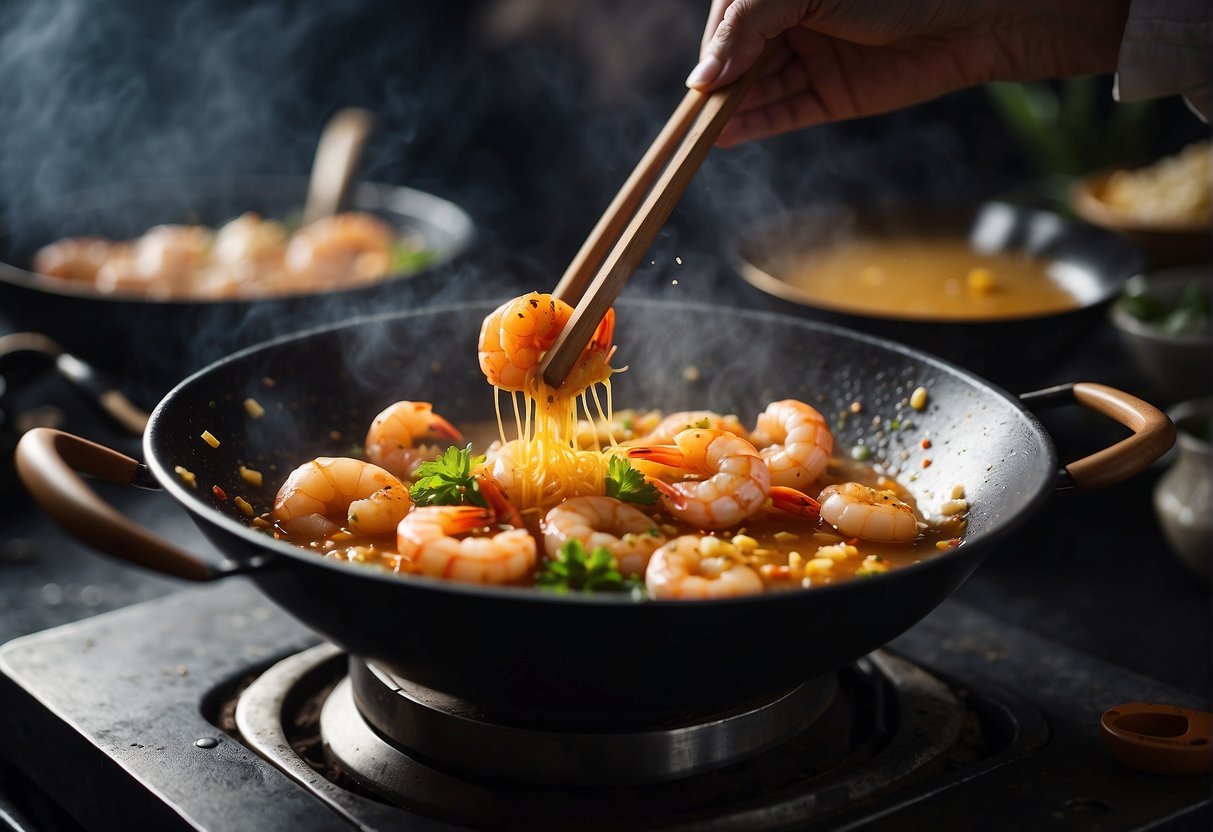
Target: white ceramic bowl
x,y
1178,367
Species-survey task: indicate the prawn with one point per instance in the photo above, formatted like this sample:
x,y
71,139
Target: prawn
x,y
346,246
861,511
625,531
392,440
364,496
163,262
426,538
686,568
794,441
737,481
664,431
74,258
514,337
676,423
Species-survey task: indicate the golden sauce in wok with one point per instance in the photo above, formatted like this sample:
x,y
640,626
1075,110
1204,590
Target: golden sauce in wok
x,y
930,280
790,553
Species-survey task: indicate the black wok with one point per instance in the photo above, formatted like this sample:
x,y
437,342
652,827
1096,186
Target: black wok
x,y
153,344
524,647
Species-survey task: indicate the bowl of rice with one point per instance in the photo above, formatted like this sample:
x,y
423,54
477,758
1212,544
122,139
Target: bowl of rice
x,y
1163,206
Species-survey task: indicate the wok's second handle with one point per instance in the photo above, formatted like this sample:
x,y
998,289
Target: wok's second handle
x,y
48,461
1153,433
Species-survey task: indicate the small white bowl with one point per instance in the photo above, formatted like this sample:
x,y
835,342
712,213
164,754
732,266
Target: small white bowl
x,y
1179,367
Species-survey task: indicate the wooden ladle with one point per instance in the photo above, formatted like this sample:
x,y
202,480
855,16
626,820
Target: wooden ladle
x,y
337,157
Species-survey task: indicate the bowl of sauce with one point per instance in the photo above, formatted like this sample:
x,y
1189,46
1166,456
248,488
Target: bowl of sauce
x,y
1006,291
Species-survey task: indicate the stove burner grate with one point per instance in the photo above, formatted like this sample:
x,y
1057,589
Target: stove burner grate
x,y
486,742
884,724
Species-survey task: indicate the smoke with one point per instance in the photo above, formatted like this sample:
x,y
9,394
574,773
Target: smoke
x,y
529,114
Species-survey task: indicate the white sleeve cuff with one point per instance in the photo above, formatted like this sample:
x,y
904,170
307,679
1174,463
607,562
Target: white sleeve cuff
x,y
1167,50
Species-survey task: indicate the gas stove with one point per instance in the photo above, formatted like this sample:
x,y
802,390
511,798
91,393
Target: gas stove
x,y
211,709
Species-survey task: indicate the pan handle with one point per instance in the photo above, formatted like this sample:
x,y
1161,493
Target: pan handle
x,y
1153,433
48,461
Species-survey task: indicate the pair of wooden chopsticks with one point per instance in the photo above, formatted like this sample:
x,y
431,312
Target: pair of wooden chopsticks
x,y
628,227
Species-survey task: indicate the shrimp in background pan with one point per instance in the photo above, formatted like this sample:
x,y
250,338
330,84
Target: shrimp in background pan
x,y
737,481
625,531
346,247
514,337
73,258
392,441
860,511
794,441
426,538
689,567
161,263
322,494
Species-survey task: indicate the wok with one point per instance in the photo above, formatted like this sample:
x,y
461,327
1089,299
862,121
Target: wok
x,y
155,343
523,647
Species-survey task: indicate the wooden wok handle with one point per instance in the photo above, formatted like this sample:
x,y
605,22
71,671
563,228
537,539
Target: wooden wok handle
x,y
48,461
1153,433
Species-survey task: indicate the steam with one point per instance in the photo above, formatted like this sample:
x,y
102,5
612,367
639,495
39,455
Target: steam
x,y
529,115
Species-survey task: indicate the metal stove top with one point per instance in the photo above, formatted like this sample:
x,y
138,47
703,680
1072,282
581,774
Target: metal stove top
x,y
117,718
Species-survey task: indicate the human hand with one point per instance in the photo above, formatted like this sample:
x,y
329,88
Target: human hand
x,y
840,59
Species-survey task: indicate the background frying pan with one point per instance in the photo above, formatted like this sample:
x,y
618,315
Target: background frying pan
x,y
152,344
528,649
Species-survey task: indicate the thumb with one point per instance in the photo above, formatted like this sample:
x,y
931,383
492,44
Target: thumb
x,y
744,30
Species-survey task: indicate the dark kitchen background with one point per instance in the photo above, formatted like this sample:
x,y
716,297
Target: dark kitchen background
x,y
529,114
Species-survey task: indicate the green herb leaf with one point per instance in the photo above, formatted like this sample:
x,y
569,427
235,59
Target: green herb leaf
x,y
575,570
623,482
447,480
407,258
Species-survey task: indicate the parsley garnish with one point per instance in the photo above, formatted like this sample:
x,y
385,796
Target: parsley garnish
x,y
447,480
406,258
572,570
623,482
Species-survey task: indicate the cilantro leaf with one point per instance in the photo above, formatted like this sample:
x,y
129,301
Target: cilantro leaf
x,y
575,570
623,482
447,480
407,258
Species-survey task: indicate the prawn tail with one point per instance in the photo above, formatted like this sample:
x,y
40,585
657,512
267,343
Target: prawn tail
x,y
676,499
604,335
439,426
794,502
503,509
670,455
465,518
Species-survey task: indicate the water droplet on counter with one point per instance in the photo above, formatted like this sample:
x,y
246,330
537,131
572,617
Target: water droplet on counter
x,y
206,742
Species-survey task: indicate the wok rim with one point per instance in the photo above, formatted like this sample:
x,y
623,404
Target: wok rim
x,y
45,284
249,534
